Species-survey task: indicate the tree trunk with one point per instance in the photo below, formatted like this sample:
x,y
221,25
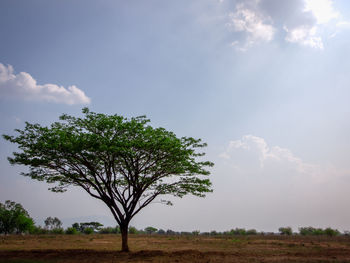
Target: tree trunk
x,y
124,232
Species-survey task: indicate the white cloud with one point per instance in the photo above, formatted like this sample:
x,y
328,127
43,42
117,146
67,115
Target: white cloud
x,y
253,23
271,183
304,35
322,9
297,21
24,86
252,155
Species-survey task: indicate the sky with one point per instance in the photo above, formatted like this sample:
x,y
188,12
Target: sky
x,y
264,82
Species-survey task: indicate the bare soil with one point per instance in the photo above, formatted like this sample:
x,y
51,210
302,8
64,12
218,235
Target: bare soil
x,y
155,248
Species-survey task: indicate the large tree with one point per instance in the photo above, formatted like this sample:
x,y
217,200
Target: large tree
x,y
14,218
126,163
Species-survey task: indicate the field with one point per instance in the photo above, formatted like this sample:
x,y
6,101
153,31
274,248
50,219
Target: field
x,y
156,248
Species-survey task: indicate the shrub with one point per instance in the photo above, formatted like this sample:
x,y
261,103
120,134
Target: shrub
x,y
71,231
150,230
251,232
285,231
38,230
57,231
88,231
195,232
238,231
110,230
331,232
133,230
161,232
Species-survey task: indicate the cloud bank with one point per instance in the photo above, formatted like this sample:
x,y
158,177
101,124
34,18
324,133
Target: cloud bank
x,y
253,155
279,188
296,21
24,86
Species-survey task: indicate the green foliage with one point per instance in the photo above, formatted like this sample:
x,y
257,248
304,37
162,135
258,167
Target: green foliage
x,y
238,231
195,232
251,232
71,231
285,231
14,218
318,231
95,226
110,230
57,231
133,230
38,230
52,223
331,232
88,230
150,230
161,232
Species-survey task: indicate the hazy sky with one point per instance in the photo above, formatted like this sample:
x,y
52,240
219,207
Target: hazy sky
x,y
264,82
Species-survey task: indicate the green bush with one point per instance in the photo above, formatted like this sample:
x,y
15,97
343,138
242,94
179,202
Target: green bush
x,y
331,232
57,231
251,232
133,230
285,231
110,230
150,230
71,231
38,230
238,231
88,231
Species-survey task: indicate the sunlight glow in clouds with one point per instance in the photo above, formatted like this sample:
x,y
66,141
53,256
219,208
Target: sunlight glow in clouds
x,y
246,20
322,9
24,86
260,22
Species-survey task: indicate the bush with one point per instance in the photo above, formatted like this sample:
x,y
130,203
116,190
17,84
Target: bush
x,y
110,230
71,231
285,231
331,232
133,230
88,231
318,231
57,231
195,232
238,231
38,230
251,232
161,232
150,230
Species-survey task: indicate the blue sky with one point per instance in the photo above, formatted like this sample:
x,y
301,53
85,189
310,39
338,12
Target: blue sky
x,y
264,83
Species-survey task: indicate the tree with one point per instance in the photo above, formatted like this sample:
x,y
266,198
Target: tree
x,y
52,223
150,230
14,218
123,162
285,231
95,226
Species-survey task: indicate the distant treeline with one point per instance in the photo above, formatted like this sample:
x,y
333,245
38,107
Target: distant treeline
x,y
96,228
14,219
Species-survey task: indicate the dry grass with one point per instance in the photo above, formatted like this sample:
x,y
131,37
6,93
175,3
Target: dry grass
x,y
105,248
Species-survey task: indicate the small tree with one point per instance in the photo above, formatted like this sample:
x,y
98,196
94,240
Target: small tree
x,y
123,162
285,231
14,218
52,223
150,230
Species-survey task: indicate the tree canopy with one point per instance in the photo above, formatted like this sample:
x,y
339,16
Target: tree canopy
x,y
126,163
14,218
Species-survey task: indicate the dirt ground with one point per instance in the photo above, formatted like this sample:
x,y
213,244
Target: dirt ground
x,y
155,248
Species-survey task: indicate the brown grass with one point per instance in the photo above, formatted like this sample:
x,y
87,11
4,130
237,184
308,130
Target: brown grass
x,y
105,248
